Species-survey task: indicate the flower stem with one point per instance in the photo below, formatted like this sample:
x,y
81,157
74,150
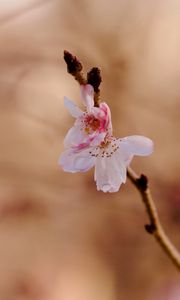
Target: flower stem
x,y
154,227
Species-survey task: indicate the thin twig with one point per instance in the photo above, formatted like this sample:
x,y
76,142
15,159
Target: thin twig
x,y
154,227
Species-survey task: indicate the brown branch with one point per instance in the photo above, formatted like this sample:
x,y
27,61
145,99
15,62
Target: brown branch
x,y
154,227
74,67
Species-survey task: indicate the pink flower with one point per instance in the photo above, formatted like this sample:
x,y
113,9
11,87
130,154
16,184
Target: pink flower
x,y
90,143
92,125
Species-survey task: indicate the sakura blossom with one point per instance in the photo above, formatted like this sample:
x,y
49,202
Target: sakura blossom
x,y
90,143
92,125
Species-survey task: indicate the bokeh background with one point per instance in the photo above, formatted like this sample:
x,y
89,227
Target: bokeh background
x,y
59,237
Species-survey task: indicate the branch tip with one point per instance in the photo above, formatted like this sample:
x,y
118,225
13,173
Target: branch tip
x,y
94,78
74,67
73,64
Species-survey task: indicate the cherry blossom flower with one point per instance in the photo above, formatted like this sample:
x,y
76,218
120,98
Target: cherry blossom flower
x,y
92,125
90,143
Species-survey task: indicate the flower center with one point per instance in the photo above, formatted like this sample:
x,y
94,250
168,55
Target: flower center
x,y
91,124
104,144
94,124
106,148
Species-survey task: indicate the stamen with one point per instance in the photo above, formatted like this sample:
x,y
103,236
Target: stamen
x,y
106,149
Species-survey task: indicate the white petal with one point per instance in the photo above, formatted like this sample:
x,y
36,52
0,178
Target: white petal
x,y
72,108
136,145
87,95
110,173
110,170
74,136
73,162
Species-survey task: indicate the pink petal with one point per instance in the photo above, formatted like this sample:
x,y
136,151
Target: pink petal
x,y
73,162
107,117
87,95
72,108
103,114
76,136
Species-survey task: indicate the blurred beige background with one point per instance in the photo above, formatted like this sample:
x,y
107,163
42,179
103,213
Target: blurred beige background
x,y
59,237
